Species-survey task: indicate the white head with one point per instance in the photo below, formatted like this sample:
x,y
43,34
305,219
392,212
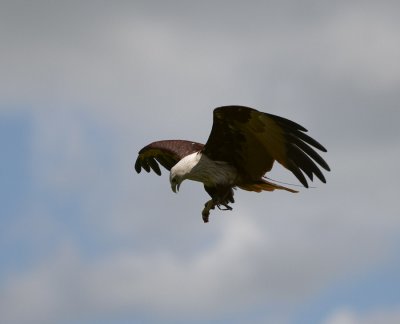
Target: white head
x,y
182,170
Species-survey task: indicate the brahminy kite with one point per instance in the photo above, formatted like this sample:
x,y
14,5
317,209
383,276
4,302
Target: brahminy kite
x,y
241,149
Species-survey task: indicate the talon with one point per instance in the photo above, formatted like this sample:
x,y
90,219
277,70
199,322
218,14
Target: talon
x,y
226,207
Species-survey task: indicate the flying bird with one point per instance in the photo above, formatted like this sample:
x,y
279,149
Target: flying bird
x,y
242,147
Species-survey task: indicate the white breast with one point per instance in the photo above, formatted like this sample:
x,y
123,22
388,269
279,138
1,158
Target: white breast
x,y
199,167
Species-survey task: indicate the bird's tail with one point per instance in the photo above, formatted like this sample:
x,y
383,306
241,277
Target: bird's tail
x,y
263,185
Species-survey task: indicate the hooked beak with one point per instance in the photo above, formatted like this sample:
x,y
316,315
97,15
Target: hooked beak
x,y
175,187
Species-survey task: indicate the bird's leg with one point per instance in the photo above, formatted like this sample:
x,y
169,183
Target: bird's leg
x,y
224,201
206,211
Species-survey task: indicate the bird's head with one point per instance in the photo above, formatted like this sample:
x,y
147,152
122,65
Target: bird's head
x,y
175,179
184,169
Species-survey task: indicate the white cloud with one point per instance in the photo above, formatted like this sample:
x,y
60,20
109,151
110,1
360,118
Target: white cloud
x,y
160,284
254,261
371,316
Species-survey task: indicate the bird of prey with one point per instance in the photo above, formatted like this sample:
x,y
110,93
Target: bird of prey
x,y
242,147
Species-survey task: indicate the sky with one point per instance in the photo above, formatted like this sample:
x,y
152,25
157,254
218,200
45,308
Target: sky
x,y
84,85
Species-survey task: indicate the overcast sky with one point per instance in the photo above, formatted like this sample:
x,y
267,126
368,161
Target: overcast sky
x,y
85,84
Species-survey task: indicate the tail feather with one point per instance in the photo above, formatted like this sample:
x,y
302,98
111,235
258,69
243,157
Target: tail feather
x,y
263,185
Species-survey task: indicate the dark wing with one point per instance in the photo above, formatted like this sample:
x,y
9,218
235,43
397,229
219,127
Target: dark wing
x,y
252,140
167,153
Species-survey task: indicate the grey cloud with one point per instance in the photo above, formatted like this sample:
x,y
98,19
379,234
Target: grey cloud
x,y
141,71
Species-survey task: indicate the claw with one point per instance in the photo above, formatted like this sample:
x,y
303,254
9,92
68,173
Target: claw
x,y
211,205
226,207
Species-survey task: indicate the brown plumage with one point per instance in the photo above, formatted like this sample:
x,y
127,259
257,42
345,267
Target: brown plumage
x,y
242,147
167,153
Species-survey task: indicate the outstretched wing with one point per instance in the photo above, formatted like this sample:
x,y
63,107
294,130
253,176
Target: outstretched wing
x,y
167,153
252,140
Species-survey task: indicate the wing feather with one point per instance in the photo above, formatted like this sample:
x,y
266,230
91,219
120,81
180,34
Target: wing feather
x,y
154,165
167,153
309,151
252,140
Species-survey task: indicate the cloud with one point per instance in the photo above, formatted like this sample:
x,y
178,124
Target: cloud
x,y
138,56
374,316
253,262
160,284
101,81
